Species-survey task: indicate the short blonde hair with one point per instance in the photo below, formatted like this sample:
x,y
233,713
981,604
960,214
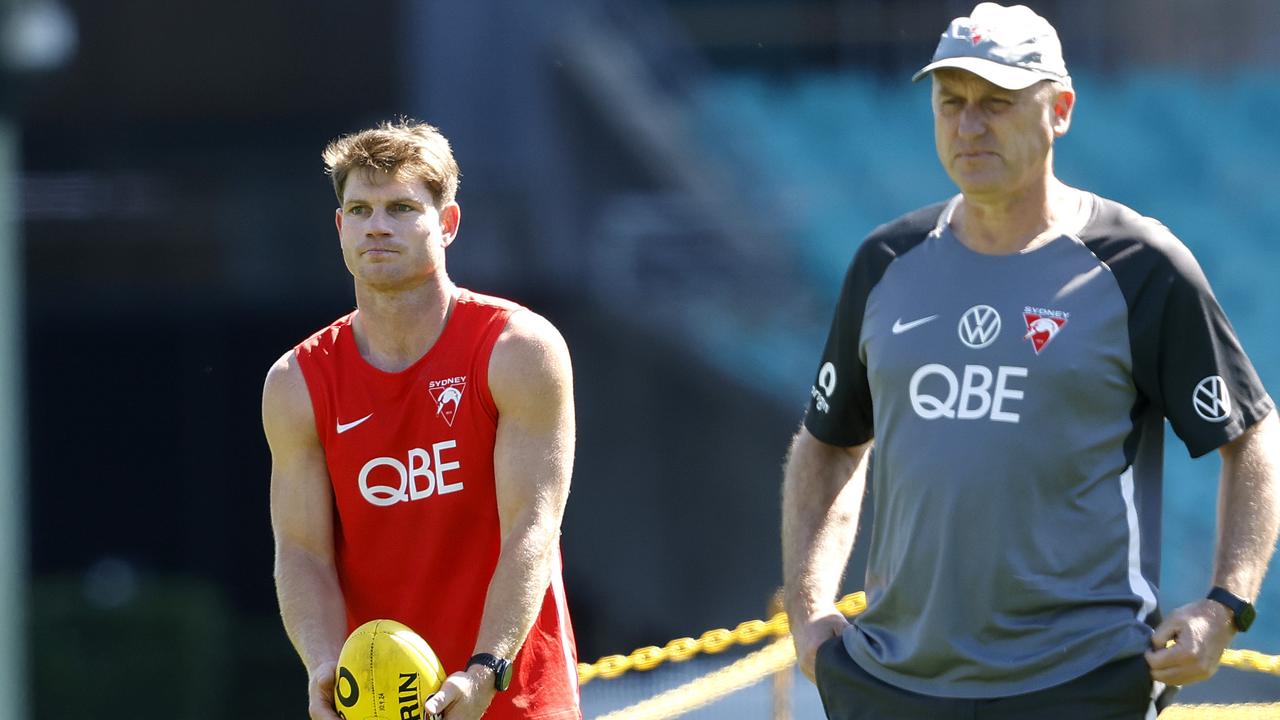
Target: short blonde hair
x,y
406,149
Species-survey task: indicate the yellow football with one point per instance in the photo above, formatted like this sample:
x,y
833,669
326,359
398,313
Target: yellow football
x,y
385,670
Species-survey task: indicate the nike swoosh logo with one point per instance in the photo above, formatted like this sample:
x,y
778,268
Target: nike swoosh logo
x,y
900,327
347,426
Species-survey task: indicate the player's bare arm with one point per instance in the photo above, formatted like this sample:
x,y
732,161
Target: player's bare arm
x,y
531,380
1248,525
821,499
311,604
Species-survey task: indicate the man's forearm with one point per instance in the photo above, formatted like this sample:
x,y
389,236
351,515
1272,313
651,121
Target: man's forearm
x,y
821,499
311,606
1248,509
518,586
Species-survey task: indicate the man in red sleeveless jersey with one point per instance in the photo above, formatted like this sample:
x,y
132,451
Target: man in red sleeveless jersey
x,y
421,453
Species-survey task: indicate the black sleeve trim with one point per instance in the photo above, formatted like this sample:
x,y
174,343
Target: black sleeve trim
x,y
1180,339
840,411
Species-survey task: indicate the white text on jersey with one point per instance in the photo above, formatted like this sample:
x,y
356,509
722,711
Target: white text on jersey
x,y
961,394
410,476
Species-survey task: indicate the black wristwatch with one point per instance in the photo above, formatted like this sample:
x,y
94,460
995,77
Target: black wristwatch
x,y
501,669
1242,612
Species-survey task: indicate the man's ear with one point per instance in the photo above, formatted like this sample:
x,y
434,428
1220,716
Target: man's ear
x,y
1064,103
450,220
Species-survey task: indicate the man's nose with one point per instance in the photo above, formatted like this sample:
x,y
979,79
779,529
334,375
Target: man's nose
x,y
972,122
378,224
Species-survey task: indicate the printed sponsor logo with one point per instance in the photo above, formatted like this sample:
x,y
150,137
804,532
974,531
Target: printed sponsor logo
x,y
1212,400
448,396
346,689
343,427
410,707
900,327
976,393
825,388
979,326
1043,325
412,479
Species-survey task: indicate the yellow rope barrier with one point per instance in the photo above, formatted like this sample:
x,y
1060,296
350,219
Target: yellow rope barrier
x,y
748,671
1251,660
753,631
1241,711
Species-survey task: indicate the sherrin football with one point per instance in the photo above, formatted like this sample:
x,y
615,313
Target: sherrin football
x,y
385,670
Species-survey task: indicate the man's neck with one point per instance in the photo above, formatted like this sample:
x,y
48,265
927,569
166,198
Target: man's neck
x,y
393,330
1016,223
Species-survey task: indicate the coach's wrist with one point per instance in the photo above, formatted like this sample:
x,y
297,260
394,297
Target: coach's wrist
x,y
1220,615
805,610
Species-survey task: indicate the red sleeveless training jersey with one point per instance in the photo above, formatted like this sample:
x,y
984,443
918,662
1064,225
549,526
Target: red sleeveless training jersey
x,y
416,534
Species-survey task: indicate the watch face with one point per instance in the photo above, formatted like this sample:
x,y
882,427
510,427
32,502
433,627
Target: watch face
x,y
502,675
1245,617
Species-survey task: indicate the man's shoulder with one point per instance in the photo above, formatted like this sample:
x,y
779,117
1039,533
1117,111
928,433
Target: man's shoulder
x,y
529,357
286,402
1115,220
490,302
910,228
897,237
1122,237
324,339
528,336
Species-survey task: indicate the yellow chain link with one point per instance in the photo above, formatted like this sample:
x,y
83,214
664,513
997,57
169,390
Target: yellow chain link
x,y
711,641
711,687
753,631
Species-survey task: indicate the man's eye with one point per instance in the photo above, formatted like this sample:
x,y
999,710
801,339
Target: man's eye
x,y
401,207
357,210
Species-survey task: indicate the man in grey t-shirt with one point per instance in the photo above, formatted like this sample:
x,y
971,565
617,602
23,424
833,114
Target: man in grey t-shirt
x,y
1013,353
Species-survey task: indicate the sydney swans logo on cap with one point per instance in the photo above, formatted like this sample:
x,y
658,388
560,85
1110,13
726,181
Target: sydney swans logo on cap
x,y
1012,47
976,33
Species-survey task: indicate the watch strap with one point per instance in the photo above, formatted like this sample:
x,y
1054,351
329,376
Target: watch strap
x,y
1242,612
501,668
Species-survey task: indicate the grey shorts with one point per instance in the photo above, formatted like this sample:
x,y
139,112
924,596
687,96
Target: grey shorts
x,y
1120,690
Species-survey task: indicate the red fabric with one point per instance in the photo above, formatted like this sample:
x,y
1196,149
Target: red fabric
x,y
416,544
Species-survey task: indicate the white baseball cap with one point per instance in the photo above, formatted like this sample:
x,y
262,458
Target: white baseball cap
x,y
1012,47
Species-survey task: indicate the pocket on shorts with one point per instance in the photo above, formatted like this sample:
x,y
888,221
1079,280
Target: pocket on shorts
x,y
1127,681
1143,672
824,650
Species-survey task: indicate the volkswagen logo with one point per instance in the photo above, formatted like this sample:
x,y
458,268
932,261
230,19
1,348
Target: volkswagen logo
x,y
1211,399
979,326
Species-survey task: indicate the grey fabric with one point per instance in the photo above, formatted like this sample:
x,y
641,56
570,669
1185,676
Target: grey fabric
x,y
1016,476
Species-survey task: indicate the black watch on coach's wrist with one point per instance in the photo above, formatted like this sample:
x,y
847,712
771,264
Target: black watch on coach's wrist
x,y
501,669
1242,612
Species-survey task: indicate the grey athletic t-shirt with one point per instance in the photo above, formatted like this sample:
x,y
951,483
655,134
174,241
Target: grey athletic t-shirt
x,y
1017,406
